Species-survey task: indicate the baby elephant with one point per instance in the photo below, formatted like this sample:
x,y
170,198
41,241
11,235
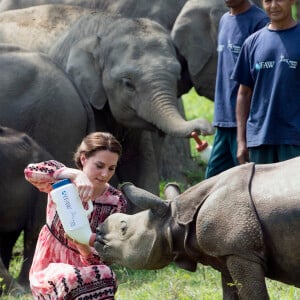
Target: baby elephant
x,y
22,207
244,222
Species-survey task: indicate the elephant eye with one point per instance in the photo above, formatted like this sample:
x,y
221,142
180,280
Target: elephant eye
x,y
128,84
123,227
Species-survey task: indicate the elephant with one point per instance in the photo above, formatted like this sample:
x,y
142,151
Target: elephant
x,y
161,11
36,98
243,222
127,70
22,206
37,28
139,97
39,99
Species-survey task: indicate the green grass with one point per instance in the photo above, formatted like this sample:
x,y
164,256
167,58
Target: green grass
x,y
169,283
173,283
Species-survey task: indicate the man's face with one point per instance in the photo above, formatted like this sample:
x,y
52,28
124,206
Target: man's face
x,y
278,10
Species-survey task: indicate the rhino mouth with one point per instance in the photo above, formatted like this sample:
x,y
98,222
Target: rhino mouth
x,y
99,245
102,247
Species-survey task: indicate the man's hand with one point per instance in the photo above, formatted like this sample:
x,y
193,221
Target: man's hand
x,y
242,153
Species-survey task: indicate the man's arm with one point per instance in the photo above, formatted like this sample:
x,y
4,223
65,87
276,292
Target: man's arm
x,y
243,102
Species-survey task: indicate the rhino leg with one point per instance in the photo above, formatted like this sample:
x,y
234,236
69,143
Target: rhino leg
x,y
230,292
248,277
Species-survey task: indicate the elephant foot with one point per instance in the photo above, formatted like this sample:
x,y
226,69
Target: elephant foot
x,y
14,289
16,292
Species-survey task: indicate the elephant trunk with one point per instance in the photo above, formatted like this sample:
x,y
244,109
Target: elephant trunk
x,y
164,114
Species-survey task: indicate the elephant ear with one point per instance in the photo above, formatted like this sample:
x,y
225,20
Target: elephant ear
x,y
86,73
194,34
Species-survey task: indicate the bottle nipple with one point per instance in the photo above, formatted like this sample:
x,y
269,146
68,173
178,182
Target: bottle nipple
x,y
202,147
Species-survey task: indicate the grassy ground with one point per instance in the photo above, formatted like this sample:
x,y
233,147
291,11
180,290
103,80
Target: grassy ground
x,y
173,283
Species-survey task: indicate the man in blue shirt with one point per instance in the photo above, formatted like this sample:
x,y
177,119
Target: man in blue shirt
x,y
268,101
235,26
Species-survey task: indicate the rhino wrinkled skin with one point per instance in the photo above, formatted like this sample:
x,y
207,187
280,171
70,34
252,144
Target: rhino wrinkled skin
x,y
244,222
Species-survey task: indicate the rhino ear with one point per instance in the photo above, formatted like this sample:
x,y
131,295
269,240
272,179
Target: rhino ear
x,y
86,73
144,199
171,190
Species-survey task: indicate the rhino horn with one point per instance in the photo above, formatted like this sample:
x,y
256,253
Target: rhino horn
x,y
144,199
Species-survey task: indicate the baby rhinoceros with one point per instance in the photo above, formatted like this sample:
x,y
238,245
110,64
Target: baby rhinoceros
x,y
244,222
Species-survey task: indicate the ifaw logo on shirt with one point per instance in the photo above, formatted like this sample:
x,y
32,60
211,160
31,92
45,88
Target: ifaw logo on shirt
x,y
291,63
234,48
265,65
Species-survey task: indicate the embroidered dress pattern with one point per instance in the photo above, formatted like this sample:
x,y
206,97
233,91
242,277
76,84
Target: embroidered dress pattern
x,y
58,270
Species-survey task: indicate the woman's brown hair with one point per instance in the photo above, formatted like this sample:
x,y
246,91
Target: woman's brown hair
x,y
94,142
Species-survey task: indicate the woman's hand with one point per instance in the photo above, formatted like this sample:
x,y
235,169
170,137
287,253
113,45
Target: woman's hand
x,y
84,250
84,187
79,178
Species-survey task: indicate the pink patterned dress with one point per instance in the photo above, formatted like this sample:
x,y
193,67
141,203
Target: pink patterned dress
x,y
58,270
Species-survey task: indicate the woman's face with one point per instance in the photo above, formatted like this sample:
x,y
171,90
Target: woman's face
x,y
100,167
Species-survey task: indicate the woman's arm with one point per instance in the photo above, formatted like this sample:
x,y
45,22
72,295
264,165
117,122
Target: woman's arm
x,y
43,174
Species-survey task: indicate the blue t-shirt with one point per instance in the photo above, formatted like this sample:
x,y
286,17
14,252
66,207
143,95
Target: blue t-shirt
x,y
269,63
233,30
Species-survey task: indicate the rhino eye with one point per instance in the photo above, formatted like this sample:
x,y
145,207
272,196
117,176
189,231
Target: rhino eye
x,y
123,227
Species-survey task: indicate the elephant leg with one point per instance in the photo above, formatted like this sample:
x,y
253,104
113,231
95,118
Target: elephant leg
x,y
8,284
248,277
7,242
148,168
31,232
138,163
30,239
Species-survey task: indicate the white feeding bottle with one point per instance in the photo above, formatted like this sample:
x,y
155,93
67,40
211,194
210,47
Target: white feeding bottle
x,y
202,147
71,212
